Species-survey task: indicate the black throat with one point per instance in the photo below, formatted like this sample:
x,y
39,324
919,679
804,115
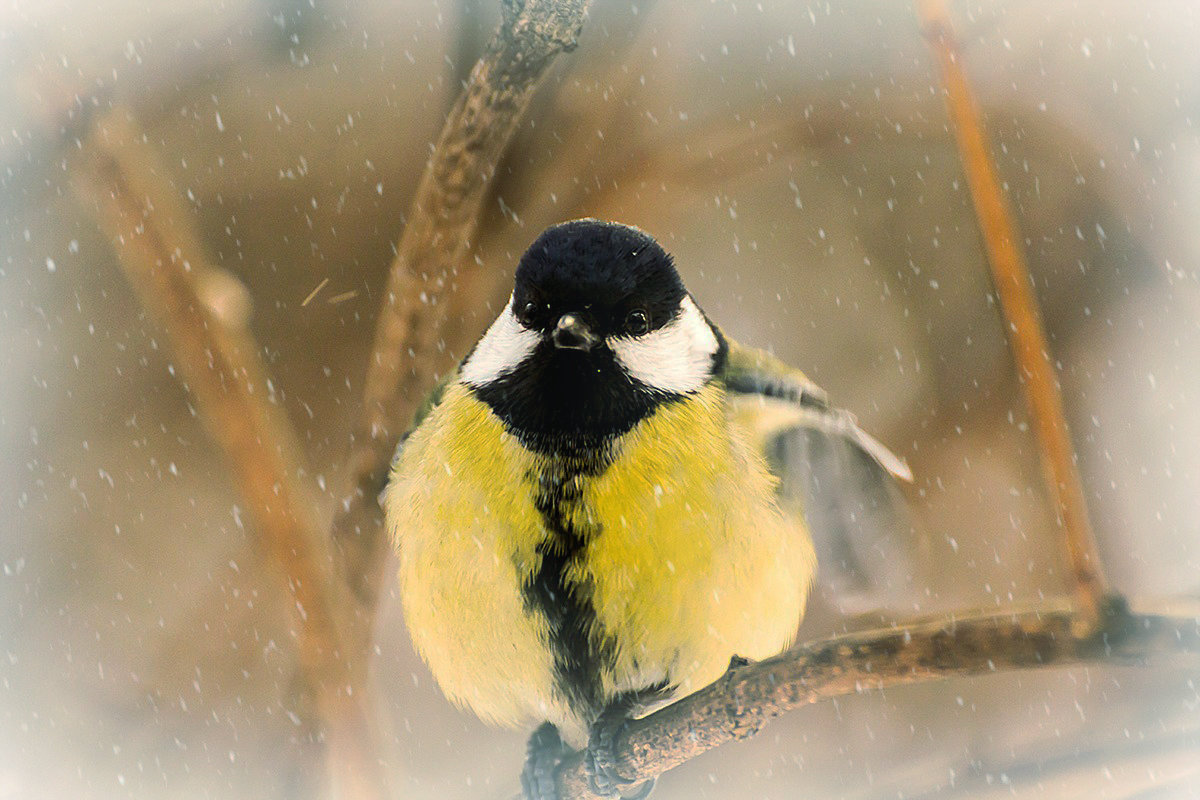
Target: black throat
x,y
570,403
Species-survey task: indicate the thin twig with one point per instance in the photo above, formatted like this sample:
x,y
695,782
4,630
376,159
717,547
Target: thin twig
x,y
1023,322
218,360
430,261
738,705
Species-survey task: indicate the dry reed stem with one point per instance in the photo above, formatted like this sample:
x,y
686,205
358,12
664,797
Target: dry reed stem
x,y
219,363
1023,323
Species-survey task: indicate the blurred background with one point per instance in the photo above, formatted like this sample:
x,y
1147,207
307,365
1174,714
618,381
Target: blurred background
x,y
795,157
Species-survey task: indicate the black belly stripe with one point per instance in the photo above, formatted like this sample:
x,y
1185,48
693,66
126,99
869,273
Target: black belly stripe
x,y
582,652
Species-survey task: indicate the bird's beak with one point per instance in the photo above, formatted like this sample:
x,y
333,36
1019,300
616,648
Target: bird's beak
x,y
572,333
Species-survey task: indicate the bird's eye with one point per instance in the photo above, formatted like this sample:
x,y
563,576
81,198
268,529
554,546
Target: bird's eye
x,y
526,313
638,322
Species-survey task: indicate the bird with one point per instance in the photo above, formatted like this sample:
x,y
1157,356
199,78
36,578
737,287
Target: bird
x,y
588,511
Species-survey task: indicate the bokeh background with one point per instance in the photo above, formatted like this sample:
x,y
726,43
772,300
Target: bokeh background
x,y
795,157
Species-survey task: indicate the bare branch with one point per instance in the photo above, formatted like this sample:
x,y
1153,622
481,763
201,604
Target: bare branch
x,y
204,312
738,705
430,263
1023,322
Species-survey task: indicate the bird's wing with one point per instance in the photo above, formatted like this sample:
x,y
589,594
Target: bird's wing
x,y
841,478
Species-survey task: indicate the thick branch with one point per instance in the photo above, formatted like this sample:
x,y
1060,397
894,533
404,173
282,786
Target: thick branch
x,y
1023,322
738,705
204,313
407,354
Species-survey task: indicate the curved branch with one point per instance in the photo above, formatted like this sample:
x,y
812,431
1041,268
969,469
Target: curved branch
x,y
739,704
445,214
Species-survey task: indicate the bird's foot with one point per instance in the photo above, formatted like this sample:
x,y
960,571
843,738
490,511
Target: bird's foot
x,y
736,661
601,761
543,754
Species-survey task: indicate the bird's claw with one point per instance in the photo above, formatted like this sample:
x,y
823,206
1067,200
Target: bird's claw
x,y
601,761
543,754
736,661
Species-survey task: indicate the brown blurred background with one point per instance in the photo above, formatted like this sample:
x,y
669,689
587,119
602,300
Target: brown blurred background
x,y
796,159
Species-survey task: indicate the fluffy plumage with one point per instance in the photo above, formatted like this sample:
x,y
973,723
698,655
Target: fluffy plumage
x,y
586,511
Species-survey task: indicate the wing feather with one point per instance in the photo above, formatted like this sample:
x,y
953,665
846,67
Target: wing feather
x,y
843,480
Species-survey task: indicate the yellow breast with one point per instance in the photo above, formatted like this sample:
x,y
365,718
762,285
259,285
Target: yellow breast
x,y
688,560
696,563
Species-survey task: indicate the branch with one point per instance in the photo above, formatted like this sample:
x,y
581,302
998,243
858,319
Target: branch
x,y
431,261
204,312
738,705
1023,322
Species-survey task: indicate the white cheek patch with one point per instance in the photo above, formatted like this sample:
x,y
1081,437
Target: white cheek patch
x,y
676,358
505,345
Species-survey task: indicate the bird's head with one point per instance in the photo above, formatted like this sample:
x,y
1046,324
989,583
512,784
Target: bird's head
x,y
599,330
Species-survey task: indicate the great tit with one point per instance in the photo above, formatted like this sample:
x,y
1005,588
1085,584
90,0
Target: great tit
x,y
585,512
